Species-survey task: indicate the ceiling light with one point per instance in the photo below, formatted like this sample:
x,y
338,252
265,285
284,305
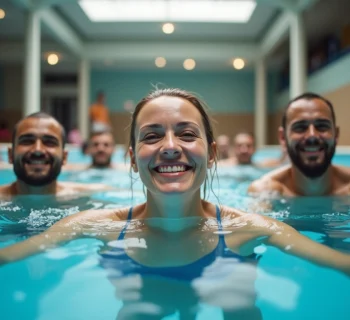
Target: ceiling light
x,y
2,14
168,28
52,59
160,62
189,64
225,11
238,63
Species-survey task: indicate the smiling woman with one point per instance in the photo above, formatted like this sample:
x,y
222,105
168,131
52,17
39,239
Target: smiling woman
x,y
173,144
177,250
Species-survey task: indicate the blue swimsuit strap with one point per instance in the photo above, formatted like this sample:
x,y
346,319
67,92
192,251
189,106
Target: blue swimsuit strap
x,y
218,217
222,243
122,233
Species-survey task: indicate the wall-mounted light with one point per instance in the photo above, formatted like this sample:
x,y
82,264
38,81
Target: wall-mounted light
x,y
238,63
189,64
53,59
2,13
160,62
168,28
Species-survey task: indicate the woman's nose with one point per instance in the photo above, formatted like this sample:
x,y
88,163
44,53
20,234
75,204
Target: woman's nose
x,y
170,147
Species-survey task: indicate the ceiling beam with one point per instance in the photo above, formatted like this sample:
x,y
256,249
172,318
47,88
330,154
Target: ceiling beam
x,y
23,3
62,31
290,5
276,34
13,51
304,4
41,4
136,50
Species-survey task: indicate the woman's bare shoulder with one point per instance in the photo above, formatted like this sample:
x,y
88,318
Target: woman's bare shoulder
x,y
89,217
68,187
247,221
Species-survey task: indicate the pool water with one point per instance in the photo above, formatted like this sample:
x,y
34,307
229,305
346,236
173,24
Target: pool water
x,y
69,283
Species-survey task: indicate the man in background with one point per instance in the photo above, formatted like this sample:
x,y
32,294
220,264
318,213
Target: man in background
x,y
243,150
37,154
310,135
223,146
100,147
99,114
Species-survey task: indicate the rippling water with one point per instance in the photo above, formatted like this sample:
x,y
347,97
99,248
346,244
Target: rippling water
x,y
68,282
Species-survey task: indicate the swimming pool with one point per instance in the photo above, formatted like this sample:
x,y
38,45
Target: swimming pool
x,y
69,283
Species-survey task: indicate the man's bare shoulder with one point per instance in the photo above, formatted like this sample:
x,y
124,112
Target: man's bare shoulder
x,y
342,171
342,180
6,190
273,181
68,187
228,162
74,167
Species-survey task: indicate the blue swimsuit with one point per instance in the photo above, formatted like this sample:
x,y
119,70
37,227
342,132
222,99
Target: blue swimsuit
x,y
118,260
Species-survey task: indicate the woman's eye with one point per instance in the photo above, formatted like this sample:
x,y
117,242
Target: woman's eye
x,y
150,137
188,135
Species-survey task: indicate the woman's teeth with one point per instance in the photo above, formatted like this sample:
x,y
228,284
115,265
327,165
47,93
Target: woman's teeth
x,y
172,169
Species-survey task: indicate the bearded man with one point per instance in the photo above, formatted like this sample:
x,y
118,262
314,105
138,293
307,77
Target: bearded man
x,y
37,154
309,134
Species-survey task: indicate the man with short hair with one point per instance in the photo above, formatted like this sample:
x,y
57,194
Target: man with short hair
x,y
37,154
101,148
223,146
242,150
309,134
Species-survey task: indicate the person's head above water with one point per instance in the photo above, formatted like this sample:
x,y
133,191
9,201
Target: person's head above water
x,y
171,141
309,133
244,147
37,152
101,147
223,146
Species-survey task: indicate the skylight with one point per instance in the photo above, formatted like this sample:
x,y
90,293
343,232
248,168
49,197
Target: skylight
x,y
238,11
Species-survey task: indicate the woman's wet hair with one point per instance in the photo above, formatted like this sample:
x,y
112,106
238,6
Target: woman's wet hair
x,y
195,101
169,92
